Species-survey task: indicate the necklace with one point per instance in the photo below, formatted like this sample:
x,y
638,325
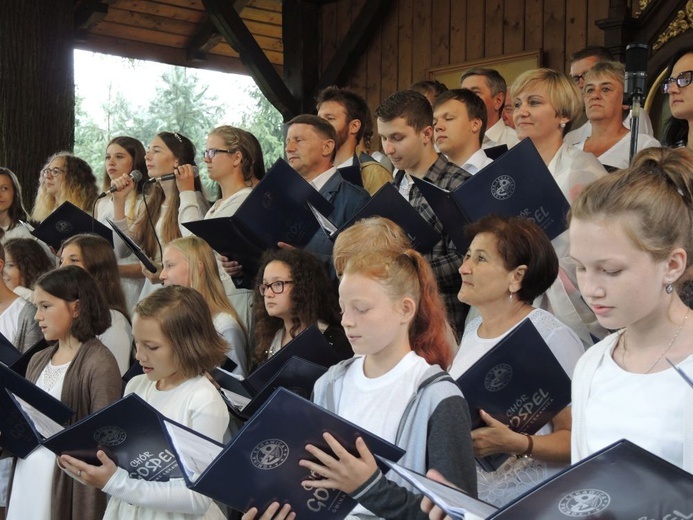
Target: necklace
x,y
676,335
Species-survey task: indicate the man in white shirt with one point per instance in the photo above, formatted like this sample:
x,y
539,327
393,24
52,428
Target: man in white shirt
x,y
580,62
459,122
490,86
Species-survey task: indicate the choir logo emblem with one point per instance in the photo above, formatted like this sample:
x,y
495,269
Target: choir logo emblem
x,y
110,435
269,454
498,377
63,226
503,187
585,502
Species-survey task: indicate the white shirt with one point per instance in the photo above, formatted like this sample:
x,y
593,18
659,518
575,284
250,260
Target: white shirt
x,y
322,179
583,132
476,162
619,153
500,134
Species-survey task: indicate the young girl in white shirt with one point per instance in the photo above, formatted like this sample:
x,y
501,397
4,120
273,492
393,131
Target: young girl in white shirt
x,y
176,343
394,387
630,236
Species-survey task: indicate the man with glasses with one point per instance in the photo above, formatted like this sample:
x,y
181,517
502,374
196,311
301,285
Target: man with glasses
x,y
580,62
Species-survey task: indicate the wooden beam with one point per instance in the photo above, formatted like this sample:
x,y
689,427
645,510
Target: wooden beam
x,y
354,44
300,23
207,36
230,25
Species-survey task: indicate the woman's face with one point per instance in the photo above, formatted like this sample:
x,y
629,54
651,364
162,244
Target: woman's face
x,y
603,95
71,254
159,158
485,279
278,304
155,353
620,282
175,268
6,193
222,163
118,161
54,316
681,98
11,273
535,117
54,176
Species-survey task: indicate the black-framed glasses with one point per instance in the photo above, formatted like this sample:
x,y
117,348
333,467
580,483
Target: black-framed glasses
x,y
210,153
578,78
52,172
277,287
682,80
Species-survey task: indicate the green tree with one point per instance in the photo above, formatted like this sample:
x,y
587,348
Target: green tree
x,y
266,123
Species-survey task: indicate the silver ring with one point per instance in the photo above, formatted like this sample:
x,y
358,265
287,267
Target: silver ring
x,y
79,472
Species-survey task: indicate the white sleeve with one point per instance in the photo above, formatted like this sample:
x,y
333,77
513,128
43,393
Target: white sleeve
x,y
234,336
193,206
118,339
171,497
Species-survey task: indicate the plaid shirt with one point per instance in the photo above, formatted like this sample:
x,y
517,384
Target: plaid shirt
x,y
444,258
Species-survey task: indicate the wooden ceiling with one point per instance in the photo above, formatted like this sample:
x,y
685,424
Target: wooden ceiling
x,y
177,32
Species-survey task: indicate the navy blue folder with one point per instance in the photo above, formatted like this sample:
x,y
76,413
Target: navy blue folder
x,y
19,434
516,184
296,375
310,345
387,202
134,247
494,152
130,433
11,357
620,482
518,382
260,464
275,211
67,221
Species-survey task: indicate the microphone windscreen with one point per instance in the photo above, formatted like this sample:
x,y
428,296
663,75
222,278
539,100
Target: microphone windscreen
x,y
636,57
136,176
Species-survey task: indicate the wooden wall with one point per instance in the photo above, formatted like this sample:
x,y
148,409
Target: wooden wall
x,y
420,34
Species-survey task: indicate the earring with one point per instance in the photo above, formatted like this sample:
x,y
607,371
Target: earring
x,y
510,298
562,125
669,288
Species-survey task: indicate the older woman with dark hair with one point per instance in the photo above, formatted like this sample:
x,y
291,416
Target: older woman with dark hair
x,y
511,262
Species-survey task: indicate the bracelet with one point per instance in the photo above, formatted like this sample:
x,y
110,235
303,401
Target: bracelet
x,y
527,454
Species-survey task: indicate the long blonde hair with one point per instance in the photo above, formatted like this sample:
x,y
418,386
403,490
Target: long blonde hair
x,y
205,279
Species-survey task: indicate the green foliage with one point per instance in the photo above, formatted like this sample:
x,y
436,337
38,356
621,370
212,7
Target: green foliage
x,y
181,104
266,123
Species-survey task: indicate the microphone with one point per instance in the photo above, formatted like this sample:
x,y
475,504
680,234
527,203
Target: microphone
x,y
171,176
636,71
136,177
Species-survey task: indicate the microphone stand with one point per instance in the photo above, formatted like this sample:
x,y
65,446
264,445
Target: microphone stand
x,y
636,106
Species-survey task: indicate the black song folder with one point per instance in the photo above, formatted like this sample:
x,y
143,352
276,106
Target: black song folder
x,y
134,247
275,211
260,465
18,362
129,431
516,184
388,202
518,382
67,221
28,413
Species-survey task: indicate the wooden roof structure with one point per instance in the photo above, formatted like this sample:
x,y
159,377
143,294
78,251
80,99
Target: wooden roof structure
x,y
242,36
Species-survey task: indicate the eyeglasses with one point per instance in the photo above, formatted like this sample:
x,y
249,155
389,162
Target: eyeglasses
x,y
578,79
210,153
52,172
682,80
277,287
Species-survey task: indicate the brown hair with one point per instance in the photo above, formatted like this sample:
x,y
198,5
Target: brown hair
x,y
186,322
476,109
408,104
100,262
16,211
408,274
30,258
321,126
521,242
237,140
136,151
656,191
72,283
